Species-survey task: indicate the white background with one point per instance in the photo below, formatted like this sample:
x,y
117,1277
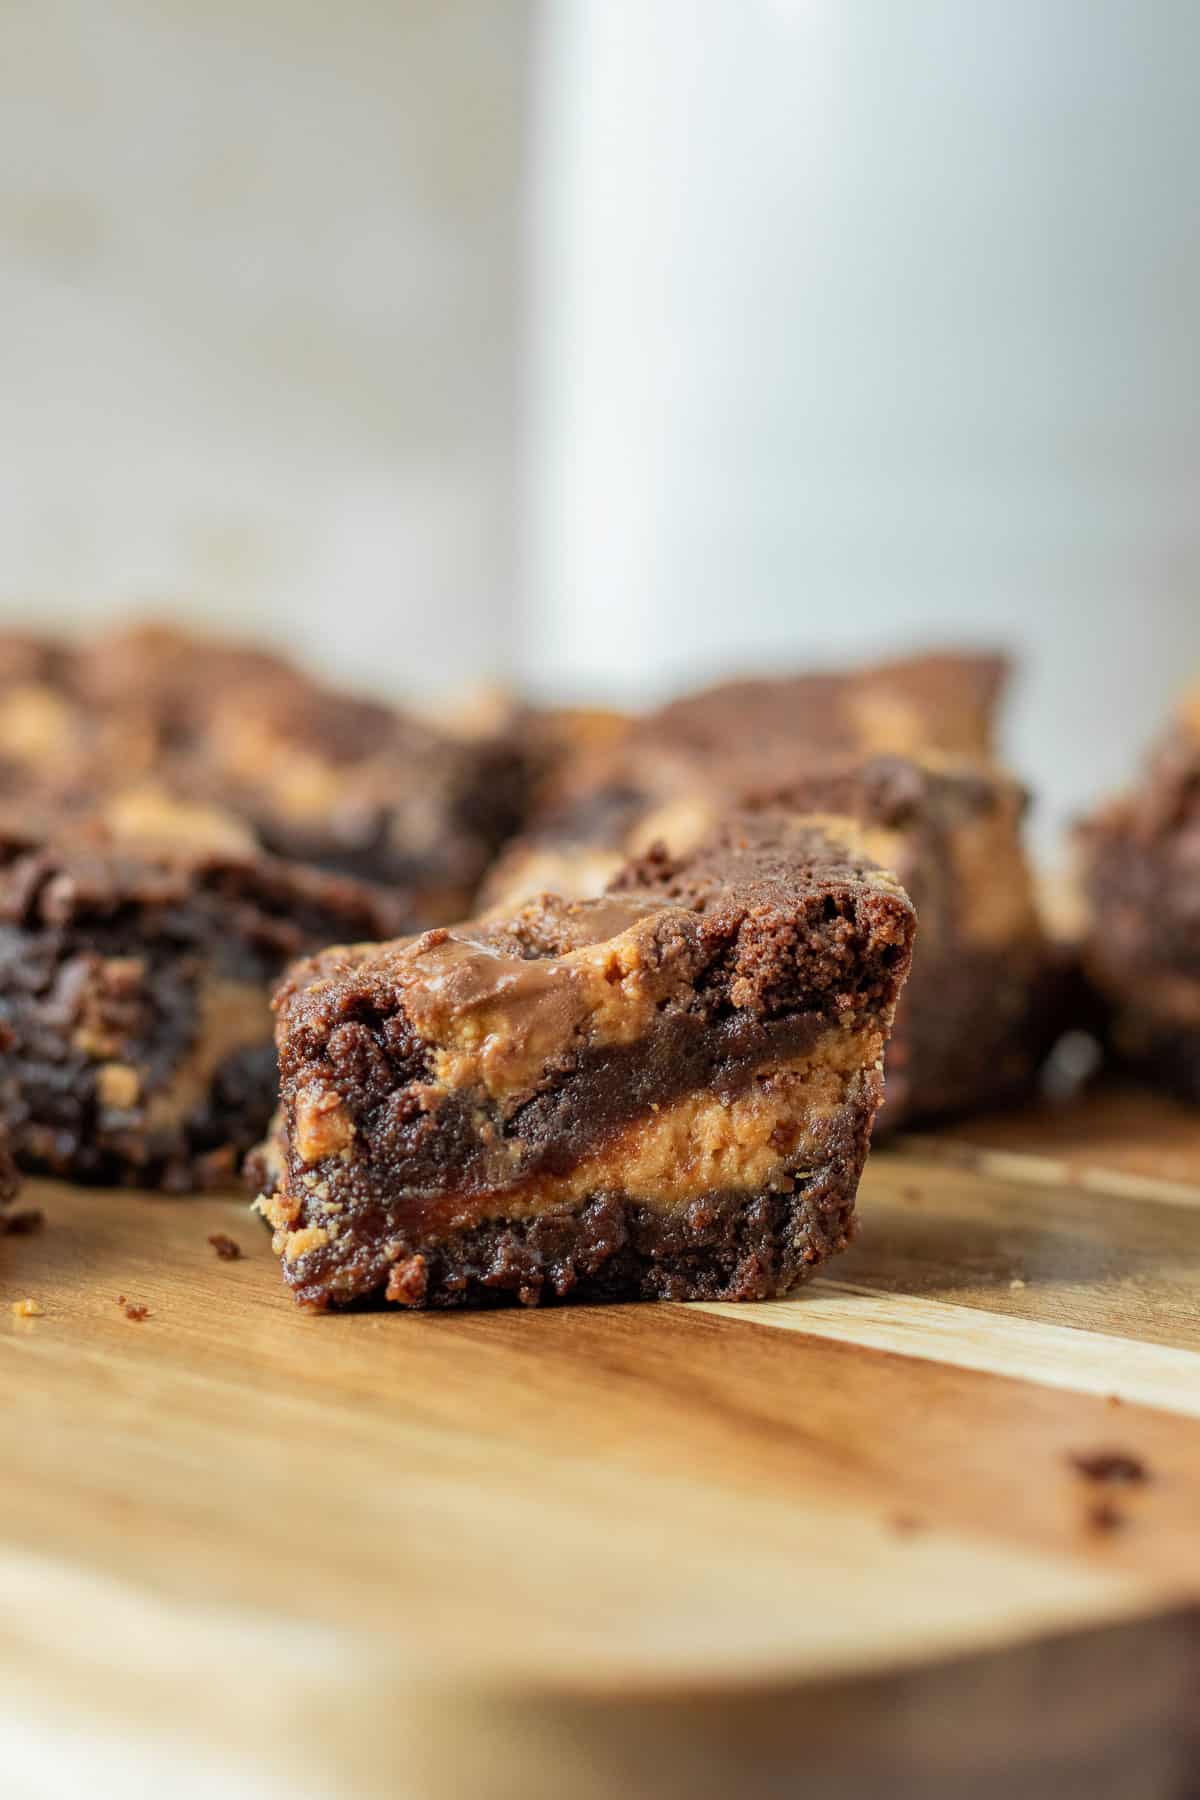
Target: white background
x,y
865,320
258,293
707,333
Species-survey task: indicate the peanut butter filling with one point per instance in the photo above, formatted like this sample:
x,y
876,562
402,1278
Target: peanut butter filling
x,y
762,1140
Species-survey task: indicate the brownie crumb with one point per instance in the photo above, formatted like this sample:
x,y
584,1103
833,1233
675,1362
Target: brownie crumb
x,y
227,1248
28,1309
136,1313
408,1282
23,1224
1109,1468
907,1523
1105,1518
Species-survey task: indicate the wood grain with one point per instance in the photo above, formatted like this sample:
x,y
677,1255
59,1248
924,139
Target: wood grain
x,y
652,1549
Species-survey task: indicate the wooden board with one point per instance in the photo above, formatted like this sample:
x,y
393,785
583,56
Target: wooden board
x,y
835,1540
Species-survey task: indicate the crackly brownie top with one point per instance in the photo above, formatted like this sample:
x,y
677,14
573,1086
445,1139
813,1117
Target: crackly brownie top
x,y
770,916
63,874
311,771
894,791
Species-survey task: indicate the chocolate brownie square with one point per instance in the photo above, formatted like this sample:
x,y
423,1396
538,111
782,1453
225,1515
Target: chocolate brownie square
x,y
1140,857
135,975
668,774
152,715
664,1093
978,1013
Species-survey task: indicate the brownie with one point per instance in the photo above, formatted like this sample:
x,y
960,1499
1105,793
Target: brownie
x,y
135,975
943,700
665,1093
670,772
1140,868
316,774
978,1014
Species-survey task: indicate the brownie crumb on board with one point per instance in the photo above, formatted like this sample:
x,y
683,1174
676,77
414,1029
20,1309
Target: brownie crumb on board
x,y
1104,1518
27,1309
227,1248
905,1524
23,1224
133,1309
1109,1468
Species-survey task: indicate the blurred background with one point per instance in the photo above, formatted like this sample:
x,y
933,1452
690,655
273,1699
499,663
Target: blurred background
x,y
601,344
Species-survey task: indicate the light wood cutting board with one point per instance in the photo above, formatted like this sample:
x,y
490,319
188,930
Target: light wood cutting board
x,y
834,1545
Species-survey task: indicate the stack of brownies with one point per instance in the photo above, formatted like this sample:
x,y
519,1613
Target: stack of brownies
x,y
649,1066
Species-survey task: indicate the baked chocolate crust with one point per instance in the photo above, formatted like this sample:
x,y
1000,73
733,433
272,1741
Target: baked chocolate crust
x,y
134,985
726,1246
665,1092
